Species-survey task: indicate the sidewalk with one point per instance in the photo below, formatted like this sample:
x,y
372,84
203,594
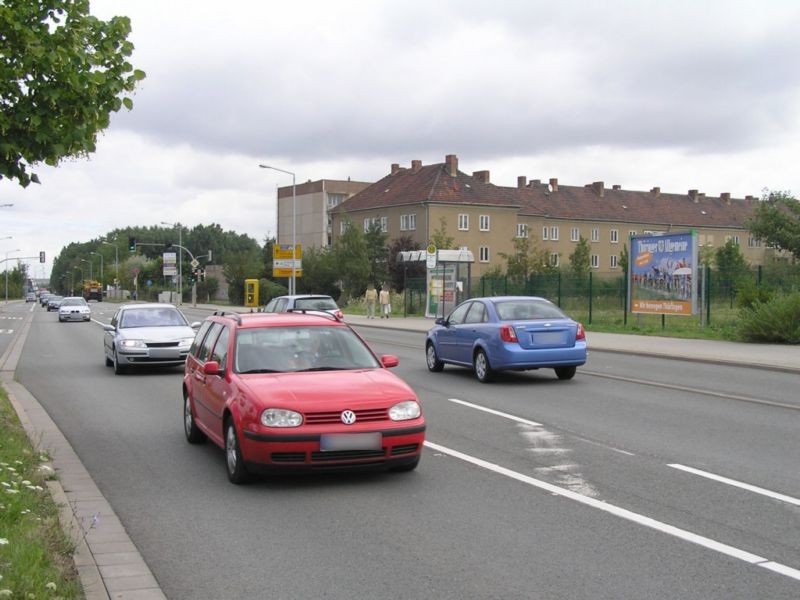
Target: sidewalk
x,y
767,356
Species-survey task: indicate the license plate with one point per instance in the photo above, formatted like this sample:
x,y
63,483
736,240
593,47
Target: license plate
x,y
350,441
549,338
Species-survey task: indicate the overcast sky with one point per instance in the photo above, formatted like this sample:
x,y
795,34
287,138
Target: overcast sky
x,y
680,94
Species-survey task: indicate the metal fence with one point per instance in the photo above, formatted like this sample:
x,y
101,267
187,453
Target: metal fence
x,y
601,299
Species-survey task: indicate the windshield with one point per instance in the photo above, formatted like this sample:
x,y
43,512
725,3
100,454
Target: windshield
x,y
73,302
310,348
322,303
152,317
526,309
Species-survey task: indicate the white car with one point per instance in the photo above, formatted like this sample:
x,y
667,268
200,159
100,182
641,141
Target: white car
x,y
74,308
148,334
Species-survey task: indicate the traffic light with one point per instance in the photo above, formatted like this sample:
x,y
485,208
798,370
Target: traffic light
x,y
202,274
193,277
132,244
41,256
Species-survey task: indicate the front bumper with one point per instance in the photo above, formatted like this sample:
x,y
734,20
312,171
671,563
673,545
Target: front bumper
x,y
264,453
152,356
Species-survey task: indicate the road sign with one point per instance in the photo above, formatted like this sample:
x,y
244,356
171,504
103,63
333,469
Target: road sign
x,y
430,259
195,263
282,260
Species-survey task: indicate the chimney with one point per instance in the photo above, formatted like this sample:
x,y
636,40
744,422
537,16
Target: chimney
x,y
536,182
616,186
599,188
482,176
416,165
694,196
451,164
726,197
553,184
656,191
522,181
749,198
395,168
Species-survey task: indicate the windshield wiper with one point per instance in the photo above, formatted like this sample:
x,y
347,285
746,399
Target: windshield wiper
x,y
259,371
323,369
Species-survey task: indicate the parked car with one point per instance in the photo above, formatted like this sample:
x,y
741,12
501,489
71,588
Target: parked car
x,y
147,334
53,302
507,333
282,304
297,391
74,308
30,297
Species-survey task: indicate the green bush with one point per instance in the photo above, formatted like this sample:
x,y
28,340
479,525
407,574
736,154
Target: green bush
x,y
749,294
775,321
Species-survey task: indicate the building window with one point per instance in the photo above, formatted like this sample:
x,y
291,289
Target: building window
x,y
595,261
367,223
403,222
595,234
484,223
554,234
412,221
631,233
545,233
522,230
554,259
575,234
463,222
384,224
483,254
753,242
736,240
342,226
335,199
615,236
614,261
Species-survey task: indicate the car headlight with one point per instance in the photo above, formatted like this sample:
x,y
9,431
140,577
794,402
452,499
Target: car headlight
x,y
185,342
404,411
132,344
280,417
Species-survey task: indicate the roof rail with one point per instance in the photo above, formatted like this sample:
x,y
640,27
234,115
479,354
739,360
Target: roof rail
x,y
233,315
314,311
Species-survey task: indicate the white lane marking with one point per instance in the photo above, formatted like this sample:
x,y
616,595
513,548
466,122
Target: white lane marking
x,y
623,513
739,484
495,412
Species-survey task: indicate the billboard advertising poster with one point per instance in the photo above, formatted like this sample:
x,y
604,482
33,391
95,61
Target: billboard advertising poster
x,y
170,264
663,274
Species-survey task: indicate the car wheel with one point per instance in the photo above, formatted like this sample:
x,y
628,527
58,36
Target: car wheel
x,y
237,473
483,371
193,433
565,372
118,368
434,364
407,467
60,320
109,362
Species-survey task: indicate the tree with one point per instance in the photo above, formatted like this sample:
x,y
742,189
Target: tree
x,y
62,72
776,221
730,261
439,237
377,252
350,256
321,274
238,266
581,261
526,259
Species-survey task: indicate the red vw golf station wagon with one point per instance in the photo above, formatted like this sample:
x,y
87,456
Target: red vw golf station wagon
x,y
297,391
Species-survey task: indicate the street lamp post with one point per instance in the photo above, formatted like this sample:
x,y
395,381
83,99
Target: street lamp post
x,y
101,269
116,264
180,259
91,276
5,262
293,284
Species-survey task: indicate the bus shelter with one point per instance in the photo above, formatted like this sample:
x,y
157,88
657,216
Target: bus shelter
x,y
447,279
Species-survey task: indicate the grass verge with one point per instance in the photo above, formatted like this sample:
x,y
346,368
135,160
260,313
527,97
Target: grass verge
x,y
35,552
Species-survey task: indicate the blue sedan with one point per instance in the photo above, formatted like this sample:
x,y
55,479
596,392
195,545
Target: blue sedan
x,y
507,333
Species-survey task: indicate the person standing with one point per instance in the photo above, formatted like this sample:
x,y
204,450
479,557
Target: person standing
x,y
371,296
386,308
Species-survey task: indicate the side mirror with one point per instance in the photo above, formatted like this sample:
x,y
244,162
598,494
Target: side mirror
x,y
212,368
108,327
389,361
441,321
196,325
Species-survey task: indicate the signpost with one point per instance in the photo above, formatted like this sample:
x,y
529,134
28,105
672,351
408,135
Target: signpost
x,y
283,263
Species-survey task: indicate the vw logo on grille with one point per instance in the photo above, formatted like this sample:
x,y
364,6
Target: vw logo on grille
x,y
348,417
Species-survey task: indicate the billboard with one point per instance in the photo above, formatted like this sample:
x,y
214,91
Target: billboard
x,y
662,274
170,264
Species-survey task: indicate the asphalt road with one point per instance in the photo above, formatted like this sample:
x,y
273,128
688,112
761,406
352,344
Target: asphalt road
x,y
599,487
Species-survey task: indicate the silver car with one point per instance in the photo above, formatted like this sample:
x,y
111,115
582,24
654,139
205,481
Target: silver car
x,y
147,334
74,308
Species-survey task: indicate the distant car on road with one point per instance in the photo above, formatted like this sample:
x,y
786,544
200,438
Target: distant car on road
x,y
299,302
297,392
507,333
53,302
30,297
74,308
147,334
43,298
